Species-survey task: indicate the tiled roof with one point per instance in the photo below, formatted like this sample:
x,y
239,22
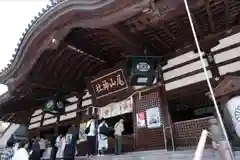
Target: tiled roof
x,y
26,31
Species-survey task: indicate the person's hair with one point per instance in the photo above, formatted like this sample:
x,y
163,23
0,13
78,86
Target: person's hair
x,y
10,143
23,143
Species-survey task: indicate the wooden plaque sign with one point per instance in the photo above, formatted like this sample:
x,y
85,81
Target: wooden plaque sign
x,y
109,84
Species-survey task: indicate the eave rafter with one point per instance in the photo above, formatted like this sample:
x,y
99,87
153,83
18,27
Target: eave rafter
x,y
121,32
210,16
226,13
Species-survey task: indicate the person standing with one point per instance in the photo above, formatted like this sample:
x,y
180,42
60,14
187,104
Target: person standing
x,y
42,143
61,146
55,143
21,153
118,130
70,143
36,152
91,136
102,136
8,151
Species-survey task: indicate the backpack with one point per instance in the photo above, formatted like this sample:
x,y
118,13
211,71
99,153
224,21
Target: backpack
x,y
104,130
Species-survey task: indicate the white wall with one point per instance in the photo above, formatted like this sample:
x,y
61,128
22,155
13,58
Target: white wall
x,y
219,58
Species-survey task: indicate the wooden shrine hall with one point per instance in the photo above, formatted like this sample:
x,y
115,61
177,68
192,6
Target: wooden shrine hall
x,y
72,47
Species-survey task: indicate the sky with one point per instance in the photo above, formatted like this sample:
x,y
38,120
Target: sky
x,y
15,15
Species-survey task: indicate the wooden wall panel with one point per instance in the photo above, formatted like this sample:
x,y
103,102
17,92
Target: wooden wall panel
x,y
145,138
187,133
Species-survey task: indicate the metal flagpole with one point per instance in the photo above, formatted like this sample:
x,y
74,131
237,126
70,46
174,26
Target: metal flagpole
x,y
207,78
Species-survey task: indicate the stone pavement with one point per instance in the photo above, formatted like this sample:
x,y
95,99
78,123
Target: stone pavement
x,y
155,155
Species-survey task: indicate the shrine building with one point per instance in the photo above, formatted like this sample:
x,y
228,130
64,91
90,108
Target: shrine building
x,y
78,51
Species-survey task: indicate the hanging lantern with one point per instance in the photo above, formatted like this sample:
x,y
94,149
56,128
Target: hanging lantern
x,y
142,70
54,106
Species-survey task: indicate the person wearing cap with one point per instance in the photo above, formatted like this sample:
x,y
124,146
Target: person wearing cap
x,y
36,152
118,130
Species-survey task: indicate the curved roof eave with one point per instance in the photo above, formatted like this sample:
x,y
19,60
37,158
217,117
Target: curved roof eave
x,y
99,13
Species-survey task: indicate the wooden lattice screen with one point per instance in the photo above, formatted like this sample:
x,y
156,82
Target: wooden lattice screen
x,y
145,138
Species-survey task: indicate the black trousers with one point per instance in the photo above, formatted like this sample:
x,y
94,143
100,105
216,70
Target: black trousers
x,y
72,158
69,152
91,145
69,158
53,153
41,152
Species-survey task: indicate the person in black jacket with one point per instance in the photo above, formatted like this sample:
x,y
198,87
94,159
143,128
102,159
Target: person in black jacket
x,y
54,147
36,153
70,146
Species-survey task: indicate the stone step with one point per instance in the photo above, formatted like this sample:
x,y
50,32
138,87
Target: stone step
x,y
156,155
208,154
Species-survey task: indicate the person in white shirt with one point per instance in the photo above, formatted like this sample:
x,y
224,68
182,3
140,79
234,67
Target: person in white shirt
x,y
61,147
21,153
42,143
91,136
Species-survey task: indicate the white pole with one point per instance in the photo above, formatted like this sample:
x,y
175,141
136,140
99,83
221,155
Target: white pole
x,y
201,145
207,78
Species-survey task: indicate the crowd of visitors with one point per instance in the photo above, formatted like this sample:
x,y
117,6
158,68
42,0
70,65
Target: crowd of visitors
x,y
64,146
99,133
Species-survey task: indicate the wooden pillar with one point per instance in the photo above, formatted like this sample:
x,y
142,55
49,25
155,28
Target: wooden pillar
x,y
56,127
42,119
165,109
166,118
79,117
41,123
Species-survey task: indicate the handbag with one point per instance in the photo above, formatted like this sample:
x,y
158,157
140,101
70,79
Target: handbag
x,y
87,130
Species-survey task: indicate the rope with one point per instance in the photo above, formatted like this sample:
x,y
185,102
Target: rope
x,y
207,78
